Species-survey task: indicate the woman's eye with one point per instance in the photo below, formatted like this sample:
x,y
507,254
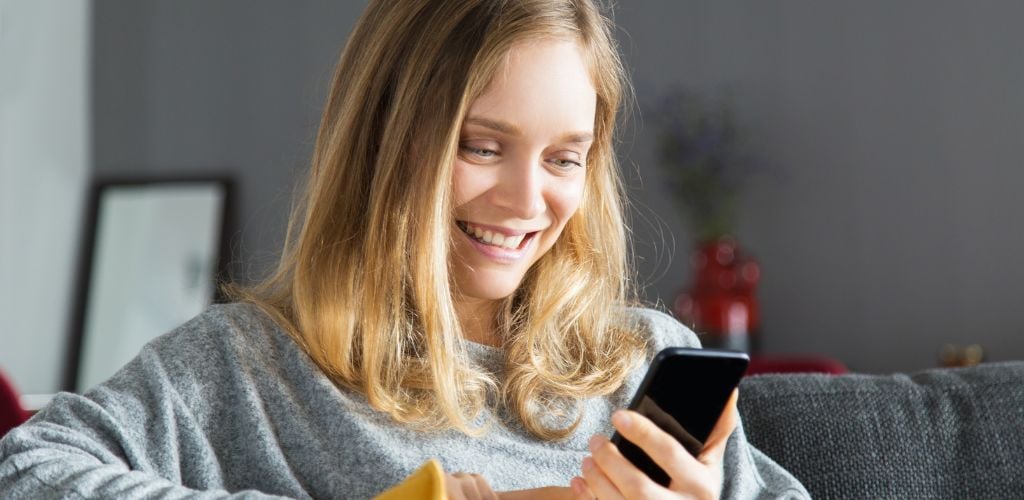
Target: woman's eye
x,y
566,164
477,153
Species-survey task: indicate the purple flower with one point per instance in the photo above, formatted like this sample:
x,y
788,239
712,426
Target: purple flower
x,y
699,149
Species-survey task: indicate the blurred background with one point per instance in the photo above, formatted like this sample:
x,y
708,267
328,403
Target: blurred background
x,y
883,138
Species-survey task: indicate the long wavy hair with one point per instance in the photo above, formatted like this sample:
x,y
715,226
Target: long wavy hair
x,y
364,284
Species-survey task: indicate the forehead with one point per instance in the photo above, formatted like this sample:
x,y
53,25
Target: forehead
x,y
561,45
541,84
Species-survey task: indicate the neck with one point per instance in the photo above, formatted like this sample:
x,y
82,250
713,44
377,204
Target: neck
x,y
478,319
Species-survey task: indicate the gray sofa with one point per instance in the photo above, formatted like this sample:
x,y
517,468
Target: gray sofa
x,y
945,433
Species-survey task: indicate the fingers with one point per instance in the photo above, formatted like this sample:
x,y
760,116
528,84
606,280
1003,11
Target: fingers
x,y
598,483
714,447
580,489
663,449
623,476
607,474
687,473
463,486
545,493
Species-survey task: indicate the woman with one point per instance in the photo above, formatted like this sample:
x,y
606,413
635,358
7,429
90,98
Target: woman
x,y
454,287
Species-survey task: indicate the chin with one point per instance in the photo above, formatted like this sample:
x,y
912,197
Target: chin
x,y
490,286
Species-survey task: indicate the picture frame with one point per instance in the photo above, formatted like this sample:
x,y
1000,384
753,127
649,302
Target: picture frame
x,y
154,252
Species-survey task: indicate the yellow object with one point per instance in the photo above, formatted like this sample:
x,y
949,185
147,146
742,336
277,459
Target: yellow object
x,y
427,483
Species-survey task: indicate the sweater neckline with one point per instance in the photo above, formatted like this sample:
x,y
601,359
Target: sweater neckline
x,y
487,356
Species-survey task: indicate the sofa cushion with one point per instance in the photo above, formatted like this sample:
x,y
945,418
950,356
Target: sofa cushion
x,y
945,433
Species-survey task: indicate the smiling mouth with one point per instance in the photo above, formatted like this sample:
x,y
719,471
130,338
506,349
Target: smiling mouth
x,y
495,239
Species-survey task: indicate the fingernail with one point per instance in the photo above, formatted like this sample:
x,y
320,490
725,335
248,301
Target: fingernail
x,y
588,463
621,419
577,486
594,443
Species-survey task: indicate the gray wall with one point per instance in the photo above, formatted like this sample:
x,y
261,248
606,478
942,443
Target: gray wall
x,y
233,86
889,224
885,230
44,166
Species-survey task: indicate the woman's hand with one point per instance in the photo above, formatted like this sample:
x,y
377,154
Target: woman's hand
x,y
463,486
609,475
546,493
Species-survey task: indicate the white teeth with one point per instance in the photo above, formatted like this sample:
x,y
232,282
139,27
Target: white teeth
x,y
495,239
512,242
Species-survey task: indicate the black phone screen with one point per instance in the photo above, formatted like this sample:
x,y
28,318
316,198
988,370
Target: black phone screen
x,y
684,393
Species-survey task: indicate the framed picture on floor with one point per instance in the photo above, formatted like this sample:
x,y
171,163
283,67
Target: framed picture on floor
x,y
154,251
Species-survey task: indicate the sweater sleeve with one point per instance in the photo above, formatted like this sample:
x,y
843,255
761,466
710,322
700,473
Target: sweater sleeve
x,y
131,437
75,450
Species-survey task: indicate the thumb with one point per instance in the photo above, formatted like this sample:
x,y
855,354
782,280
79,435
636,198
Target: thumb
x,y
714,447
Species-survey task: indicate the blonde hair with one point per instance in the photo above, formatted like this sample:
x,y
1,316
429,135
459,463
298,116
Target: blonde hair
x,y
363,284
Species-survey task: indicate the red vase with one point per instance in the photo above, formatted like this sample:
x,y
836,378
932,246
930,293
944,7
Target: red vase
x,y
721,305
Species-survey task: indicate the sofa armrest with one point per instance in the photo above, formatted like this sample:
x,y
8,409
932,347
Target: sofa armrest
x,y
946,433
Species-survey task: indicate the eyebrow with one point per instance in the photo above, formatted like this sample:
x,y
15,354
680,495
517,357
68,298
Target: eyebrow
x,y
510,129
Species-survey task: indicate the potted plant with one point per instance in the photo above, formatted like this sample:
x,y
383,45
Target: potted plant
x,y
705,166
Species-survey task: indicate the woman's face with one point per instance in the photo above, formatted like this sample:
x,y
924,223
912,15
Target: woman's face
x,y
521,166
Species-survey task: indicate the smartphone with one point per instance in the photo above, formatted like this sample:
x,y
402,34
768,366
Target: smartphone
x,y
684,393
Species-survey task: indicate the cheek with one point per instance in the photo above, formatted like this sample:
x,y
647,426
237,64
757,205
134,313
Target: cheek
x,y
566,200
467,184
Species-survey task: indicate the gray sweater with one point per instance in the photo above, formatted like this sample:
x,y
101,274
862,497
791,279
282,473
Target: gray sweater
x,y
227,405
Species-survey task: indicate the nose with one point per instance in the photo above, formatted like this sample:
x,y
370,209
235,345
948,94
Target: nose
x,y
520,189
